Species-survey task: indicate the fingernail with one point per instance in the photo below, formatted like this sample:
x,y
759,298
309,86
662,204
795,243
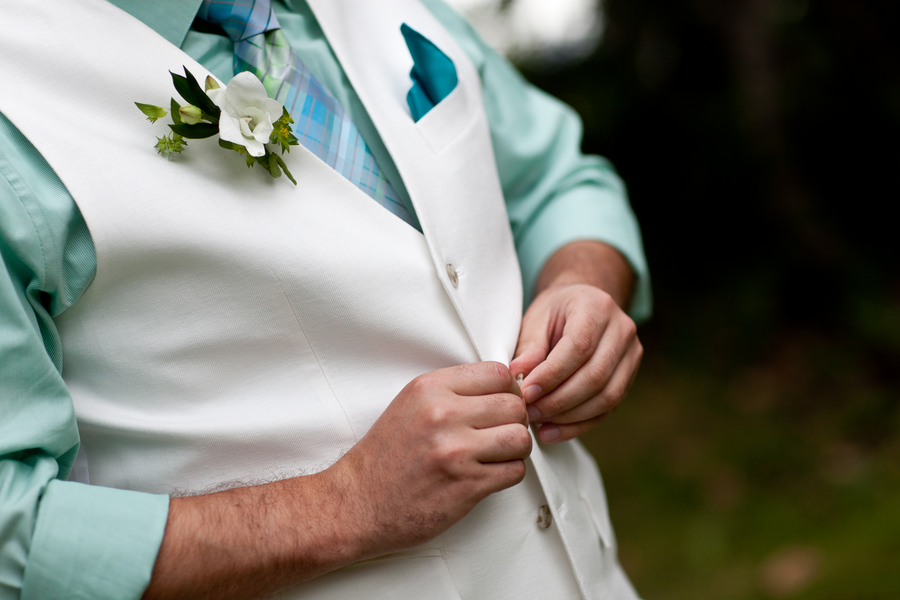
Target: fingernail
x,y
519,378
531,393
533,413
549,433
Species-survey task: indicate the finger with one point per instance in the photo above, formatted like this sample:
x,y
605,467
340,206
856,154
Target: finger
x,y
551,433
501,475
533,344
581,336
481,379
494,410
502,443
618,345
608,398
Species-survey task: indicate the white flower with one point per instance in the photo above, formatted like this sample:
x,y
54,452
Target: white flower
x,y
247,113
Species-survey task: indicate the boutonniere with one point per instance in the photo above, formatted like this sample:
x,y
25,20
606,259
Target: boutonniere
x,y
241,113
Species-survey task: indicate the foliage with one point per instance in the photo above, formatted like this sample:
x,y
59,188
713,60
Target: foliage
x,y
204,123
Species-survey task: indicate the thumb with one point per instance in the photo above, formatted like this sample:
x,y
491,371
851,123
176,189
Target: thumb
x,y
531,350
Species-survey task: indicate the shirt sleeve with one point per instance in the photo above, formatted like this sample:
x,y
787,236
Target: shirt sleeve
x,y
554,193
58,539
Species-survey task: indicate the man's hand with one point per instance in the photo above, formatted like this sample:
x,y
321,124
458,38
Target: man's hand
x,y
578,350
449,439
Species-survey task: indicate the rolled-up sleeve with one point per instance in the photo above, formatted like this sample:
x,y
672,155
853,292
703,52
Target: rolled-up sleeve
x,y
58,539
99,541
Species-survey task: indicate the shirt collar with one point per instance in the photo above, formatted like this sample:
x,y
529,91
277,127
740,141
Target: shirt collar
x,y
169,18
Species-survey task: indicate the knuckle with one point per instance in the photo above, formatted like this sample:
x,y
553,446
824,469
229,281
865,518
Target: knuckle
x,y
521,410
517,471
607,401
630,327
499,374
464,371
596,378
507,439
582,344
603,300
525,441
449,457
556,406
509,407
438,414
610,400
552,405
420,386
511,403
555,371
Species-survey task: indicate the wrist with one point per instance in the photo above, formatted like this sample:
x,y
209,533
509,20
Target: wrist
x,y
590,263
324,516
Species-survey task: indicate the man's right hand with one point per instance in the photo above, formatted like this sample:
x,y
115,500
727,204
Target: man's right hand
x,y
449,439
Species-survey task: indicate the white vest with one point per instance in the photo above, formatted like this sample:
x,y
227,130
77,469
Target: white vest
x,y
240,329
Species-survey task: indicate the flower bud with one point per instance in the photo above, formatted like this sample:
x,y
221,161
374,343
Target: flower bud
x,y
190,114
211,84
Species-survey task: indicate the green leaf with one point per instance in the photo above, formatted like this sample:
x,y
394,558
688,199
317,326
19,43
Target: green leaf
x,y
152,112
176,114
195,132
271,162
284,168
183,88
207,105
191,91
272,165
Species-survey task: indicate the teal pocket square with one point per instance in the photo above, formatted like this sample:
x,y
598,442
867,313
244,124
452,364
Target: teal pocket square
x,y
433,73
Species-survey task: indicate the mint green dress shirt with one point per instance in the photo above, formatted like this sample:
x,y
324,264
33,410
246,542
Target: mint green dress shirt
x,y
61,539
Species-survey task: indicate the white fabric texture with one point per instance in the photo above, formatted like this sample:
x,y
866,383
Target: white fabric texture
x,y
240,329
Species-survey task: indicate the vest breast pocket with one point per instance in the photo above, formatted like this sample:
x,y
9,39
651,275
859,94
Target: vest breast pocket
x,y
448,119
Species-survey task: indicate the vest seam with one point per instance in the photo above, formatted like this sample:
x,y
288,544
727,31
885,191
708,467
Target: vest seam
x,y
318,362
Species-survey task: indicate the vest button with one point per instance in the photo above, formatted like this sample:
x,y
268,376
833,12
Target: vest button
x,y
545,518
451,273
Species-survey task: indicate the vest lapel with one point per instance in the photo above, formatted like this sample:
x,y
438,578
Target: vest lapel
x,y
446,161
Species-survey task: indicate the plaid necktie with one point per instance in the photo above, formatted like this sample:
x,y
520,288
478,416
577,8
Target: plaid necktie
x,y
320,122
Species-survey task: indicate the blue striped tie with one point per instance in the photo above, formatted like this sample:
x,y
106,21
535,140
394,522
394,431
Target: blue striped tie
x,y
320,122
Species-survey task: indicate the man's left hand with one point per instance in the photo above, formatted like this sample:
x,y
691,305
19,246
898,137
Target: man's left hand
x,y
578,350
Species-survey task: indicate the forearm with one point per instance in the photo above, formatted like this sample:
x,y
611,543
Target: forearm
x,y
253,541
591,263
250,542
449,439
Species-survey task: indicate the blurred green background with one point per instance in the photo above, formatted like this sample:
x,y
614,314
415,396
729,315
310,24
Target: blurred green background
x,y
758,455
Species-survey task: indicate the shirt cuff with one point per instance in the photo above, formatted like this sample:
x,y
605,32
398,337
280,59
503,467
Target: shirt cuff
x,y
93,542
586,213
